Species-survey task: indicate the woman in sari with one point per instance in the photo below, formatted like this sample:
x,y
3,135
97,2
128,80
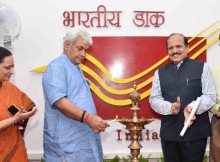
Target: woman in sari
x,y
12,147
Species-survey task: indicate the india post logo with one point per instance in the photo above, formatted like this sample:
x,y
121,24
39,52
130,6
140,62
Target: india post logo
x,y
114,64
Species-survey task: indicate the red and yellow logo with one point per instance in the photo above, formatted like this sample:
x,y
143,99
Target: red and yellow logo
x,y
114,64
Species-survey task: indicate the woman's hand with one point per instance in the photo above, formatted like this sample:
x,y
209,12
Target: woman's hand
x,y
18,117
22,114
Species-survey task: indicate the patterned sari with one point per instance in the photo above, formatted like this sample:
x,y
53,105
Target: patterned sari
x,y
12,147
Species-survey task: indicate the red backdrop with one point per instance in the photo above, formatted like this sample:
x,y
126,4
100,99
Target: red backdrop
x,y
136,54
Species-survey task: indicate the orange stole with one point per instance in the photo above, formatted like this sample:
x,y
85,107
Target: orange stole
x,y
12,147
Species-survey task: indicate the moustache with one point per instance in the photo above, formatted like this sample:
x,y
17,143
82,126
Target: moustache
x,y
176,54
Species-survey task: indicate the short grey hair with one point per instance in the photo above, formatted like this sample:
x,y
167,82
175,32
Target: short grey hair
x,y
77,32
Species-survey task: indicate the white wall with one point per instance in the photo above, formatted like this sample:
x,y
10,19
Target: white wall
x,y
40,41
